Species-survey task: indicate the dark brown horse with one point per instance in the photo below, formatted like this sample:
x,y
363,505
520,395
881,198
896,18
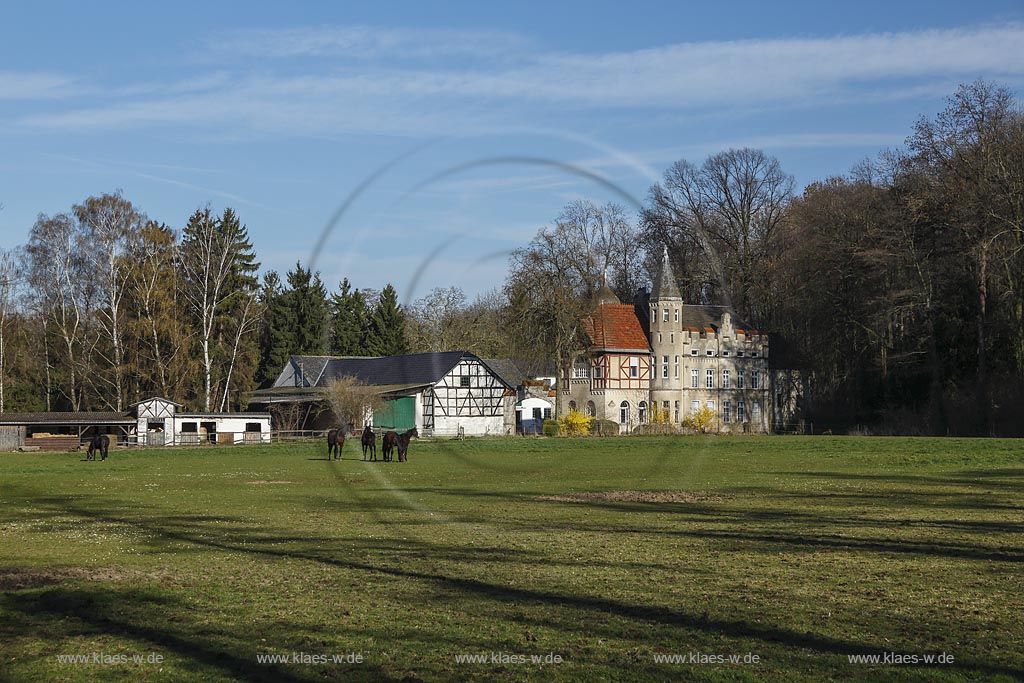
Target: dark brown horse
x,y
336,442
369,440
403,444
98,443
389,444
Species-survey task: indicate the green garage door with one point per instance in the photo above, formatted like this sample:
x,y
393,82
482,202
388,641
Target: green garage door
x,y
398,414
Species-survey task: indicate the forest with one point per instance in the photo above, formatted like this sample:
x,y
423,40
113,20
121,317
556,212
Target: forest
x,y
896,290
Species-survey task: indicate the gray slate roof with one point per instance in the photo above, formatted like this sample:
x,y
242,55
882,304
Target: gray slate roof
x,y
665,286
410,369
699,315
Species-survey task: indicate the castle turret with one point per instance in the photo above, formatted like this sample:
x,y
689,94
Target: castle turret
x,y
666,316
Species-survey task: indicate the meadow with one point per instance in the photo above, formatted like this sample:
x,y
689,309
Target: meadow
x,y
611,555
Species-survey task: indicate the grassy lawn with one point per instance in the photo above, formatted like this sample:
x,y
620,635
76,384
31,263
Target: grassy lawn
x,y
800,551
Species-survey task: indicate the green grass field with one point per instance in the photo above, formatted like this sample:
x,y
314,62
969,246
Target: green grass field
x,y
801,551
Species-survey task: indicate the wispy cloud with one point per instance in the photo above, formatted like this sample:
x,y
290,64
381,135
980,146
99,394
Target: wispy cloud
x,y
364,42
389,97
33,86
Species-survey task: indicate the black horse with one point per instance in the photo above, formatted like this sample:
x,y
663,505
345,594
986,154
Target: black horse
x,y
369,440
335,443
389,444
98,443
403,444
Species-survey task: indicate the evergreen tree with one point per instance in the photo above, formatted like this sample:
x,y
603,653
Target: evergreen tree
x,y
349,321
307,298
277,333
385,335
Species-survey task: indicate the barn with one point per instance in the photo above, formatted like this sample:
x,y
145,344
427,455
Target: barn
x,y
445,394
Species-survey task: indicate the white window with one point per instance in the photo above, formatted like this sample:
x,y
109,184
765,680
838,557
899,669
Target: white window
x,y
739,354
580,372
710,379
693,352
672,337
664,317
591,409
624,413
664,367
755,379
694,407
726,411
739,379
710,352
598,372
726,380
694,378
677,315
642,412
741,411
659,337
725,354
711,406
634,366
676,371
676,414
664,408
755,412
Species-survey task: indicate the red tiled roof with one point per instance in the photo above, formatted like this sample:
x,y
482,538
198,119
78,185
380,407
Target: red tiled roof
x,y
615,326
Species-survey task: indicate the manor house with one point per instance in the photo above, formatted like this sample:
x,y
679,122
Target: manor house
x,y
677,357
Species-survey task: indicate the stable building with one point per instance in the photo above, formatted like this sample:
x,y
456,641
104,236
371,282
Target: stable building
x,y
153,422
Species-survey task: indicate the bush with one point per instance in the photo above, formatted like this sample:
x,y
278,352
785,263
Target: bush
x,y
575,423
550,428
604,427
701,421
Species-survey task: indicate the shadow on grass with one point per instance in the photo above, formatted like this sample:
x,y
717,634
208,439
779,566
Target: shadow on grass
x,y
224,534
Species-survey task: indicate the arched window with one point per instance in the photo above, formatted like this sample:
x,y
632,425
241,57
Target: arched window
x,y
572,406
624,413
591,409
642,411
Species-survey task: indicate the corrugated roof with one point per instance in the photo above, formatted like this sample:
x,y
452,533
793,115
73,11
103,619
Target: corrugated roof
x,y
79,418
615,327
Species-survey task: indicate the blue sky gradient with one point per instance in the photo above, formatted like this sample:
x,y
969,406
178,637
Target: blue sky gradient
x,y
280,112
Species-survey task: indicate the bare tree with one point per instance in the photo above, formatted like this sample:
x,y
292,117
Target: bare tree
x,y
62,286
9,276
727,211
352,401
108,224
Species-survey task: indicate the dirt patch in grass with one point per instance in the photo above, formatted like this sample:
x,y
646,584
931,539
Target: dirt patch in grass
x,y
637,497
20,578
267,481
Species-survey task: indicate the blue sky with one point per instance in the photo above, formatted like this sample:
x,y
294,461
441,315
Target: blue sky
x,y
282,111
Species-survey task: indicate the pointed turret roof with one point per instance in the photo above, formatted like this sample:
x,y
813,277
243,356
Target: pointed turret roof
x,y
665,283
605,295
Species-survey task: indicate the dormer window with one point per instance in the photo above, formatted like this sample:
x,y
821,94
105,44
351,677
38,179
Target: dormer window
x,y
710,352
664,317
693,352
739,354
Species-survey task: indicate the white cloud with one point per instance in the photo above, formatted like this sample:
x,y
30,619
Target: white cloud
x,y
415,99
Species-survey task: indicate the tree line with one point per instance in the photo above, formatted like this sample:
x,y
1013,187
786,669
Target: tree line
x,y
895,291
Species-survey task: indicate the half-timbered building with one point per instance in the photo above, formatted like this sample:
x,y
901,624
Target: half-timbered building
x,y
613,381
446,394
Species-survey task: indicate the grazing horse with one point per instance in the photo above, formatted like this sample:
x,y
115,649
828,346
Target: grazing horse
x,y
403,444
369,440
388,444
335,442
100,443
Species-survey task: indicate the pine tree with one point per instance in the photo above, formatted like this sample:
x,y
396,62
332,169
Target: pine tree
x,y
307,298
349,321
277,333
386,333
